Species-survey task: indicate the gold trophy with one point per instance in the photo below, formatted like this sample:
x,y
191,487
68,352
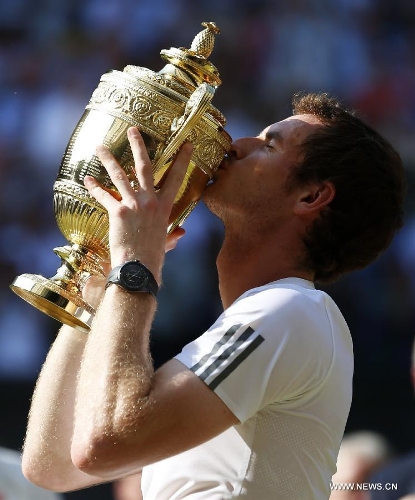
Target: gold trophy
x,y
169,107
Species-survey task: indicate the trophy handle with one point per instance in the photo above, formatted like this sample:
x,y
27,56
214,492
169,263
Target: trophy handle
x,y
181,127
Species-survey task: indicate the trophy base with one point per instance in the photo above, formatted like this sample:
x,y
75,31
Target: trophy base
x,y
50,298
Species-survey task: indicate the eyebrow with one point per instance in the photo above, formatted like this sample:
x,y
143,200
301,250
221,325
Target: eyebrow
x,y
275,135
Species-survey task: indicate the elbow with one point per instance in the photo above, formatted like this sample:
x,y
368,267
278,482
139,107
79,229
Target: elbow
x,y
112,445
95,456
91,446
85,457
34,475
50,471
106,456
44,478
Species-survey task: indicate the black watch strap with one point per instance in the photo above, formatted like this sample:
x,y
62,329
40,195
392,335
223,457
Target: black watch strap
x,y
133,276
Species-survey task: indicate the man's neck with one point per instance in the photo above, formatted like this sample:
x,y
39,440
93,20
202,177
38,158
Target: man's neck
x,y
246,262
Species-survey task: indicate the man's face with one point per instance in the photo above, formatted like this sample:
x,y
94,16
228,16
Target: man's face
x,y
252,181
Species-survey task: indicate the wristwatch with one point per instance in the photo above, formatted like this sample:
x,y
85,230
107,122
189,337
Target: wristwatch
x,y
133,276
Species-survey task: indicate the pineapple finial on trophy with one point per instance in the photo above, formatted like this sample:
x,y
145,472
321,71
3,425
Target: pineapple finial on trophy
x,y
193,63
203,42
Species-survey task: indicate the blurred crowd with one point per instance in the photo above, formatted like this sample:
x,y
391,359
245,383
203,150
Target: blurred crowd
x,y
52,55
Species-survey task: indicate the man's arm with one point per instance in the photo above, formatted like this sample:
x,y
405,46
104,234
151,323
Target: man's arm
x,y
126,415
46,459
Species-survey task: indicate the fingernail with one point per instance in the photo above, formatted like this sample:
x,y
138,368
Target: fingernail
x,y
88,180
132,132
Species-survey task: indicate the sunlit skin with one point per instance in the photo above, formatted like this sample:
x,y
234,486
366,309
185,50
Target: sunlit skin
x,y
249,194
99,411
252,178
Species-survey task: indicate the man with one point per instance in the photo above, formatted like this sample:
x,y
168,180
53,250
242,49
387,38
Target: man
x,y
256,407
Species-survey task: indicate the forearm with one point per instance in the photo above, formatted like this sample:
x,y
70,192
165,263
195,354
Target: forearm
x,y
115,385
115,380
46,457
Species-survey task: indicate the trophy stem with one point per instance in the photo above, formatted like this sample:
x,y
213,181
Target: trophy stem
x,y
60,296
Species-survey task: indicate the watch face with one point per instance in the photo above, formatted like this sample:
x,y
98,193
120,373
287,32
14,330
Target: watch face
x,y
133,276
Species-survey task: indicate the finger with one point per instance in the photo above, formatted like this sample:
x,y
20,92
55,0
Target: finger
x,y
106,266
116,173
101,194
93,290
173,238
112,192
177,173
143,166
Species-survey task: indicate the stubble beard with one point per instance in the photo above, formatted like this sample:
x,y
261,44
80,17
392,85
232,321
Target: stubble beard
x,y
255,217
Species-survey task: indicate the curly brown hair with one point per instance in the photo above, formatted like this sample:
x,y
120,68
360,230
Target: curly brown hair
x,y
370,184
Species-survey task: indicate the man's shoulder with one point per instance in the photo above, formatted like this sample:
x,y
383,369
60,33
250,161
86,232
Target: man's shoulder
x,y
291,298
283,292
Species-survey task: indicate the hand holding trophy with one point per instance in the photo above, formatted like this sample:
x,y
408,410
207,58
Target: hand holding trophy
x,y
169,107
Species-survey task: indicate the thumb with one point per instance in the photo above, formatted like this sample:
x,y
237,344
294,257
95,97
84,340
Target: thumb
x,y
93,290
173,238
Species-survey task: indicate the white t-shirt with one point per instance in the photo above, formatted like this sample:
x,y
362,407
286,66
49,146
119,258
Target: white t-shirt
x,y
281,358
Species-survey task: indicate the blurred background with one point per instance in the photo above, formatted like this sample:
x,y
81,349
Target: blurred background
x,y
52,55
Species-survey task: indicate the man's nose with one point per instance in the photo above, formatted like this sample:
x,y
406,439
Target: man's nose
x,y
242,147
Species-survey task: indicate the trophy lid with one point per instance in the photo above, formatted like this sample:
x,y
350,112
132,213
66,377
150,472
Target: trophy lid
x,y
193,63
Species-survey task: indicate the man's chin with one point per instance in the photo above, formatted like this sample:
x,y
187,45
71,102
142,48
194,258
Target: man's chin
x,y
211,185
210,197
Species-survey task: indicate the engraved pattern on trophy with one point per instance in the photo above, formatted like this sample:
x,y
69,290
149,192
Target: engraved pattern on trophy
x,y
169,107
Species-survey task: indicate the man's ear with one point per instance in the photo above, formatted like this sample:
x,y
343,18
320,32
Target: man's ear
x,y
314,197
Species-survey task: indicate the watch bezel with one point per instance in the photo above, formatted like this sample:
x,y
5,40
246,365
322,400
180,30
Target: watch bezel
x,y
117,276
143,273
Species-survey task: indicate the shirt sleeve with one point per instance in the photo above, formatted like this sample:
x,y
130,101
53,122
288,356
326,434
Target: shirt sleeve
x,y
269,348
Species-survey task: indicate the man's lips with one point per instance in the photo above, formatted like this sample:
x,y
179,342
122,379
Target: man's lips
x,y
223,166
224,163
219,169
